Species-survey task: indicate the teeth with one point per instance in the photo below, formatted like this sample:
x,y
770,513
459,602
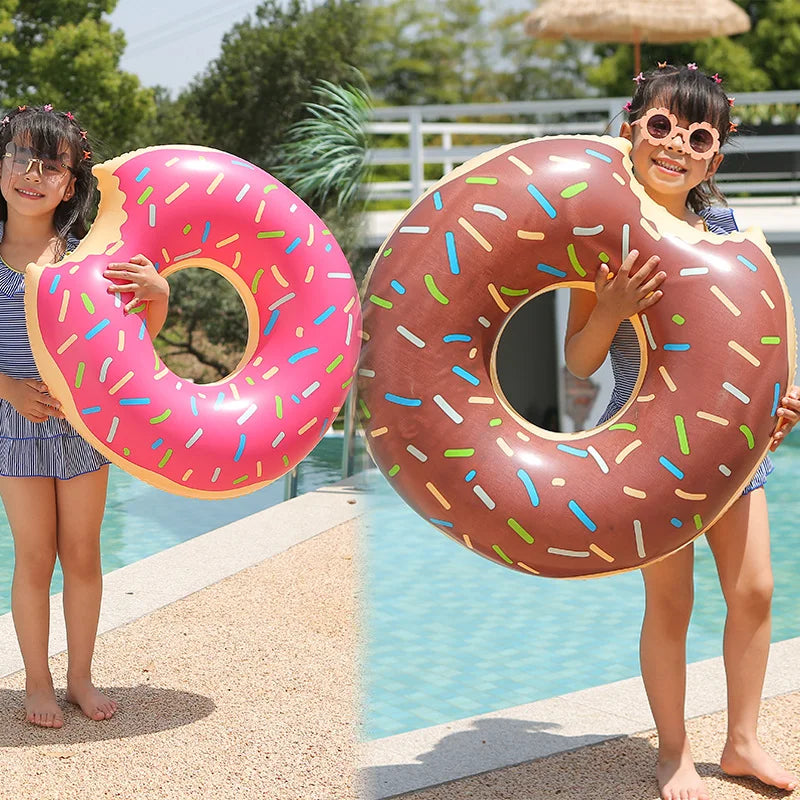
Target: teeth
x,y
670,167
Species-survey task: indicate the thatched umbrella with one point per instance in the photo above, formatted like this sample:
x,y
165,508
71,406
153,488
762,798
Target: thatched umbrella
x,y
636,21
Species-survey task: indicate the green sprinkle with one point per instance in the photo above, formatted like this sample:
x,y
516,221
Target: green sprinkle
x,y
484,181
394,470
256,279
576,188
249,381
680,427
125,451
678,319
167,457
87,302
270,234
770,340
335,363
347,382
278,406
698,522
573,259
434,290
79,375
138,308
514,292
160,417
387,252
269,187
518,529
326,232
495,422
604,257
502,555
239,480
364,408
186,228
145,194
748,434
379,301
286,461
622,426
465,452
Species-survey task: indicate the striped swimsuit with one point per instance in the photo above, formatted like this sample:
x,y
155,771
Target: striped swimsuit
x,y
49,449
625,355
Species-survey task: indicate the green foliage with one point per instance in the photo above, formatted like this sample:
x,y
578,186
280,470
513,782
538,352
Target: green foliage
x,y
63,52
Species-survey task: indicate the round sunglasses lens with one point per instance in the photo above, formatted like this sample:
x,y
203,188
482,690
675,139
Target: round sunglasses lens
x,y
659,126
701,140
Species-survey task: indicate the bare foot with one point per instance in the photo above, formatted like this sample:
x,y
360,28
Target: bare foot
x,y
93,703
42,707
678,778
750,759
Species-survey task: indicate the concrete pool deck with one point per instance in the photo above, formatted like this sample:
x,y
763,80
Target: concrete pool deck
x,y
233,659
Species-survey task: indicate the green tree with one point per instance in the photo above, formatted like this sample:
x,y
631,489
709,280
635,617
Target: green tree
x,y
64,52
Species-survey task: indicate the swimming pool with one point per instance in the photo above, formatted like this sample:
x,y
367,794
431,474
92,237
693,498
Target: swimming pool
x,y
141,520
449,635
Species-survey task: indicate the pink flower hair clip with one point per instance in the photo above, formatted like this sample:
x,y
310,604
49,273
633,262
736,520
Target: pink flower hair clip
x,y
83,135
730,101
5,122
640,78
87,154
627,107
716,78
70,116
47,107
691,66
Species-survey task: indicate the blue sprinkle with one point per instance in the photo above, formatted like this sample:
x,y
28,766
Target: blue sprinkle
x,y
324,427
437,201
677,346
293,245
156,444
272,320
92,410
398,287
676,522
328,248
581,515
206,229
595,154
452,256
573,451
470,475
135,401
140,176
467,376
668,465
309,351
324,315
776,398
218,402
242,164
54,284
441,522
542,201
530,488
457,337
402,401
559,273
296,399
749,264
142,330
242,440
97,328
193,404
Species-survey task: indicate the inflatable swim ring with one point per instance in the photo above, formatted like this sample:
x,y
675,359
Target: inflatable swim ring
x,y
187,206
716,353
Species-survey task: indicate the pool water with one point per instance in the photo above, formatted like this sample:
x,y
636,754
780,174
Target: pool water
x,y
449,635
141,520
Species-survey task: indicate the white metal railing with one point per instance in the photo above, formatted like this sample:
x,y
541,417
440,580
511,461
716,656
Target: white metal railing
x,y
421,124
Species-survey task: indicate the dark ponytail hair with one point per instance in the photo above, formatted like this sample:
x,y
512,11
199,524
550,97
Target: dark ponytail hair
x,y
48,132
695,96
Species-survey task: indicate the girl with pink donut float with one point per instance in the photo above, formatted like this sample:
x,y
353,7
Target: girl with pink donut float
x,y
52,482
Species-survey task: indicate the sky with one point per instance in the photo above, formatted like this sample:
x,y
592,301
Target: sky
x,y
169,47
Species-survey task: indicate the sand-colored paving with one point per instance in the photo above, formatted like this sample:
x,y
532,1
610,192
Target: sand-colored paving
x,y
245,689
623,768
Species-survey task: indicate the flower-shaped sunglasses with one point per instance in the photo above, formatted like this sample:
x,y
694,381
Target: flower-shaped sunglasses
x,y
660,125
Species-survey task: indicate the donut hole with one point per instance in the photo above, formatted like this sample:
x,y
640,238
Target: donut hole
x,y
205,335
531,373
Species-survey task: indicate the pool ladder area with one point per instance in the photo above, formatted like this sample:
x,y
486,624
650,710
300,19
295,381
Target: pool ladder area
x,y
349,456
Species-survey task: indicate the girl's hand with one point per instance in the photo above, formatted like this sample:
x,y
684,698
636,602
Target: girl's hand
x,y
30,398
788,415
624,295
141,278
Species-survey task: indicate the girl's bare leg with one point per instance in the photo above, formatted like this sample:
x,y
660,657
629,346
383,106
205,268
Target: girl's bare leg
x,y
669,590
81,502
740,543
30,505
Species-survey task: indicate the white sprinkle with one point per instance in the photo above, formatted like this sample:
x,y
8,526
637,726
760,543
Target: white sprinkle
x,y
448,409
215,475
557,551
737,393
417,453
339,275
598,458
367,373
406,334
112,430
280,301
504,446
104,369
195,436
637,532
724,470
251,409
309,390
187,255
686,272
648,332
349,329
242,192
293,208
485,322
151,215
498,212
415,229
278,439
626,240
588,231
481,492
